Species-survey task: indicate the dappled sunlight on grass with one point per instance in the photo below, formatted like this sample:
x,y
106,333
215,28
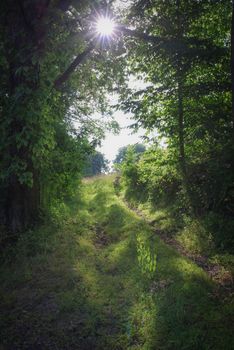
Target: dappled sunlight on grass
x,y
196,238
118,257
104,280
146,257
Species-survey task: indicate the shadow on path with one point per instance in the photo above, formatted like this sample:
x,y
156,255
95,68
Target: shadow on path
x,y
104,281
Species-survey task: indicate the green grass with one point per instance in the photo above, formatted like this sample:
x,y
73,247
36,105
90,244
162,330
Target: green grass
x,y
195,235
102,279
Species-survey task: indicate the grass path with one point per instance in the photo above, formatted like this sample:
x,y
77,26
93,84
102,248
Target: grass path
x,y
222,276
101,279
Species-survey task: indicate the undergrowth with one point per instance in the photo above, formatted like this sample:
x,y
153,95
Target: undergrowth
x,y
100,278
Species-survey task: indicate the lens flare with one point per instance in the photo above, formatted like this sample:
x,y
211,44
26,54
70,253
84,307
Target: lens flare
x,y
105,26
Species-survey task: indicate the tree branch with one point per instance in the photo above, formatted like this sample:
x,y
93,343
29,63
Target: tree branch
x,y
134,33
77,61
170,43
63,5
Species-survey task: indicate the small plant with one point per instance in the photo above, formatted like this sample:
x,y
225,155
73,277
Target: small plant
x,y
146,258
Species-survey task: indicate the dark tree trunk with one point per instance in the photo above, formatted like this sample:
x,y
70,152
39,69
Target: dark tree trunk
x,y
232,116
232,67
24,34
180,68
21,205
25,30
181,130
182,156
180,78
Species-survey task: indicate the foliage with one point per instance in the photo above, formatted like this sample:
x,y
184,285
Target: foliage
x,y
95,164
41,152
184,60
153,177
155,183
187,99
138,148
96,275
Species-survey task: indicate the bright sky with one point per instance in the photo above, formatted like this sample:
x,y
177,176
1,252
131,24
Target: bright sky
x,y
112,143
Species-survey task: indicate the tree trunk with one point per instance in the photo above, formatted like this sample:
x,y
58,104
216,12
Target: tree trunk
x,y
25,28
181,130
232,69
180,68
180,78
230,190
23,42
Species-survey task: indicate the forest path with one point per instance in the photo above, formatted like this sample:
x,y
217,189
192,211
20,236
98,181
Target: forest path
x,y
102,280
220,275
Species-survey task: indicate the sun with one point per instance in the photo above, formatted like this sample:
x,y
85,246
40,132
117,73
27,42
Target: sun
x,y
105,26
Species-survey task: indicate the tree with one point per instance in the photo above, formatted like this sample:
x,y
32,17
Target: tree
x,y
185,58
183,50
138,148
95,164
39,39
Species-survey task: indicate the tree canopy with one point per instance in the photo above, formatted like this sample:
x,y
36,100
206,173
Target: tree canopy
x,y
56,73
95,164
138,148
188,94
41,100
